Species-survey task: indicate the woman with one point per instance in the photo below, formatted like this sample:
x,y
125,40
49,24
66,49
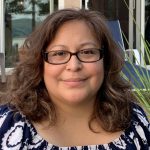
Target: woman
x,y
67,92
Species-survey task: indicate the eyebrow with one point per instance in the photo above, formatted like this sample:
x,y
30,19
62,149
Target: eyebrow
x,y
88,43
57,46
80,46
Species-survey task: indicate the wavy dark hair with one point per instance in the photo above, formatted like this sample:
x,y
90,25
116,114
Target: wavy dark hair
x,y
27,91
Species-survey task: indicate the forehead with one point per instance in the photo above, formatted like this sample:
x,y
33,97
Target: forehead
x,y
73,24
75,32
75,28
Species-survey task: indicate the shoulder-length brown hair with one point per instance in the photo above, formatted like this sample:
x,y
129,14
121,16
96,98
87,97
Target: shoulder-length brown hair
x,y
27,90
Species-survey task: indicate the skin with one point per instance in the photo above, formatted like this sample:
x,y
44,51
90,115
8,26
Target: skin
x,y
74,83
72,88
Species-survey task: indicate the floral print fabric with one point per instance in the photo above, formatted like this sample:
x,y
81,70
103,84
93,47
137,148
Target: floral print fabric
x,y
17,133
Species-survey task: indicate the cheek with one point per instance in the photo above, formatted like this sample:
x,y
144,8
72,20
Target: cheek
x,y
51,70
98,74
51,74
98,69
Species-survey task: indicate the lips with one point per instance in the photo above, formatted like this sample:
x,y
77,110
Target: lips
x,y
74,82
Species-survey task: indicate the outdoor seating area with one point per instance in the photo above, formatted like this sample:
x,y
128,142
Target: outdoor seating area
x,y
134,72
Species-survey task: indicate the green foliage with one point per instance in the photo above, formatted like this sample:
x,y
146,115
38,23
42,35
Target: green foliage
x,y
143,97
142,94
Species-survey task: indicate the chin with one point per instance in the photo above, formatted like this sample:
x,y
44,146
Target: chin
x,y
77,99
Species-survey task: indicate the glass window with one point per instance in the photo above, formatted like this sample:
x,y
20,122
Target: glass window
x,y
113,10
21,17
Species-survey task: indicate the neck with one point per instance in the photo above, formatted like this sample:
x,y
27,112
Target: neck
x,y
68,112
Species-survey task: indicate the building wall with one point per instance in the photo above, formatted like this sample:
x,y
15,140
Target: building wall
x,y
72,3
112,9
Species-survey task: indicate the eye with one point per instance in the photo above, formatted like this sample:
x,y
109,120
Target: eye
x,y
89,51
58,53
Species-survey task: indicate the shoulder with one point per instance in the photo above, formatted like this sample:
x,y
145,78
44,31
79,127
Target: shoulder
x,y
139,116
9,117
15,130
139,130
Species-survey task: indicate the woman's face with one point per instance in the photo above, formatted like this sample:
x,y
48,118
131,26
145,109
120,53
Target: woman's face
x,y
74,82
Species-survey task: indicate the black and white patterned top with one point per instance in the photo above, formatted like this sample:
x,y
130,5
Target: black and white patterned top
x,y
17,133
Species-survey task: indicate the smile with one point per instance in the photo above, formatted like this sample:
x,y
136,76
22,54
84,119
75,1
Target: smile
x,y
74,82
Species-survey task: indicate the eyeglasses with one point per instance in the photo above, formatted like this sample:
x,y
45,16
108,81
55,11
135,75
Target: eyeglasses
x,y
58,57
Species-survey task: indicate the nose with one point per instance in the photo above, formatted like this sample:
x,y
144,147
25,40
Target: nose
x,y
74,64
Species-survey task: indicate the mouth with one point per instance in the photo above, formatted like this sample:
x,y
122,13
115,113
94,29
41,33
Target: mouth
x,y
74,82
74,79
